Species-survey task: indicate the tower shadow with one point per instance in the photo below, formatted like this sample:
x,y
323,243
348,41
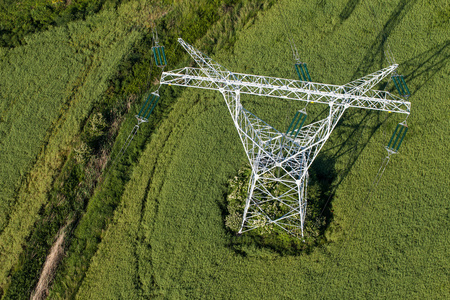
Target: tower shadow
x,y
424,66
348,9
354,124
375,53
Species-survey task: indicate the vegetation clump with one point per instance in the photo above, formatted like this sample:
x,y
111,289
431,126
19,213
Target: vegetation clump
x,y
269,234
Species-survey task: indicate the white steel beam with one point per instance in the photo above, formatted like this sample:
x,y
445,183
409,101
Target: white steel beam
x,y
352,96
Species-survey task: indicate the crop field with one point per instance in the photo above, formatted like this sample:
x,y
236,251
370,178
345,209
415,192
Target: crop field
x,y
168,239
48,88
155,225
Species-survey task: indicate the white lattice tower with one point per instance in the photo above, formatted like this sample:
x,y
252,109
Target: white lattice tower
x,y
279,162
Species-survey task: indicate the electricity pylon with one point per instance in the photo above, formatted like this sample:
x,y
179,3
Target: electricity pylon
x,y
280,161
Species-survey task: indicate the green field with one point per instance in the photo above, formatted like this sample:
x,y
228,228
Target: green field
x,y
49,88
155,227
168,239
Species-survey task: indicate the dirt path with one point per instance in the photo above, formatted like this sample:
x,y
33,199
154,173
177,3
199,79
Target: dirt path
x,y
50,265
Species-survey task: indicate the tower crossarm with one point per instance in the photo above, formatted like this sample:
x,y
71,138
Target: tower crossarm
x,y
286,89
362,85
207,65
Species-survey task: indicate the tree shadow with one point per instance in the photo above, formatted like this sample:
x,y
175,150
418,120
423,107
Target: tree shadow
x,y
322,175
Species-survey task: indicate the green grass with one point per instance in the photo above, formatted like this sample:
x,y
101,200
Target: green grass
x,y
24,246
168,238
90,228
49,88
20,19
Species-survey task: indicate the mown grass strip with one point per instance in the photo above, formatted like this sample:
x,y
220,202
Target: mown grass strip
x,y
33,193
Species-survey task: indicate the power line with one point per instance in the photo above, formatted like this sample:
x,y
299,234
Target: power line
x,y
289,35
372,189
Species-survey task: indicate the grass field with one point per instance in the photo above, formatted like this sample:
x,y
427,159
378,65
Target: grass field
x,y
59,127
49,88
168,239
154,227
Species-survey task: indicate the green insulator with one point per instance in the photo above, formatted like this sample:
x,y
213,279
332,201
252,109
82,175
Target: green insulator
x,y
295,126
307,73
393,135
143,106
398,136
164,55
298,72
303,73
404,84
398,85
160,57
293,120
303,117
153,107
154,54
150,104
401,140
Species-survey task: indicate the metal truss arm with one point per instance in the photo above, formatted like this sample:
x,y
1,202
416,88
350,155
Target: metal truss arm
x,y
208,66
288,89
362,85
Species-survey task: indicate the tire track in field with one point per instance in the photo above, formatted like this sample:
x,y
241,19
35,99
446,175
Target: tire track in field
x,y
71,91
73,114
51,133
150,204
30,184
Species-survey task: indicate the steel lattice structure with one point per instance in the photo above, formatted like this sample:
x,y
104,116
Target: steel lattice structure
x,y
280,162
